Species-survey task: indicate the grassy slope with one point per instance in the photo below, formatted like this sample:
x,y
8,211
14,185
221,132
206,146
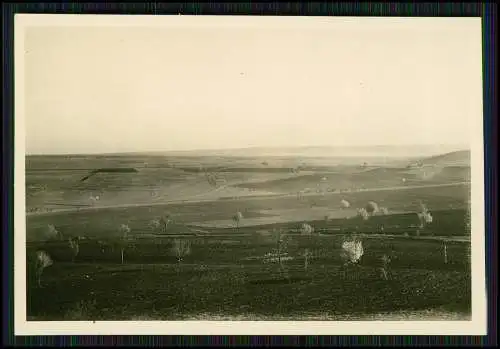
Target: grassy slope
x,y
221,275
103,222
56,180
456,158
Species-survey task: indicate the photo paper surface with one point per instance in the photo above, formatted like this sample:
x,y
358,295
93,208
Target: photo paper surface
x,y
248,175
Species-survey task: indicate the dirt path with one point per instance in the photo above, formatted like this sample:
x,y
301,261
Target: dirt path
x,y
189,199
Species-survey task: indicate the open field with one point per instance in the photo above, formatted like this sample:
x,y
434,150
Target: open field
x,y
226,274
222,276
54,183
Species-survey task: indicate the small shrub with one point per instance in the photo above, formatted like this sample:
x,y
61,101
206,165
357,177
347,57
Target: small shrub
x,y
43,260
81,311
181,248
74,247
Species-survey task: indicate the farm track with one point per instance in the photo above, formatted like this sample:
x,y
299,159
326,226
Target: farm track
x,y
189,200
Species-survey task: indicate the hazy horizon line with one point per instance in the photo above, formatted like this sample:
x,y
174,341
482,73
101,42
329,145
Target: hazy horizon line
x,y
459,147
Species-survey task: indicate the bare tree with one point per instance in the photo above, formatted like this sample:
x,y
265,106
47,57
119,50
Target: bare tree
x,y
238,216
307,255
42,261
74,246
180,249
165,220
445,252
279,254
281,248
384,261
424,216
125,231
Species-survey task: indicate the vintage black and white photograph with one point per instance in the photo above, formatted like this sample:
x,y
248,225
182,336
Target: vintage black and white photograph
x,y
212,169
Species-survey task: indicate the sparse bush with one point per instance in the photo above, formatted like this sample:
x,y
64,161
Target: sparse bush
x,y
371,207
164,222
306,229
344,203
51,233
104,245
363,214
125,231
385,260
445,252
42,261
383,211
155,224
265,236
181,248
94,199
280,254
424,216
307,255
237,218
74,246
81,311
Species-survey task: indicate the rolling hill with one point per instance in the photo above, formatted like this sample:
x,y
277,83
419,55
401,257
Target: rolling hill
x,y
456,158
323,151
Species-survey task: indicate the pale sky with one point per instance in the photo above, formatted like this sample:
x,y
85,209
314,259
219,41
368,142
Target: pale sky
x,y
381,81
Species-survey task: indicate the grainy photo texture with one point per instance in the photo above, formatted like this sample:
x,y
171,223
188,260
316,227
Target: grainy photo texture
x,y
220,169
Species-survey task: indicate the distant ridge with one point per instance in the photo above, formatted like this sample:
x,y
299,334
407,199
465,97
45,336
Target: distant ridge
x,y
299,151
455,158
325,151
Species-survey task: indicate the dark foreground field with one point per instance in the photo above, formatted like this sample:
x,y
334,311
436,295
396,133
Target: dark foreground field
x,y
225,277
